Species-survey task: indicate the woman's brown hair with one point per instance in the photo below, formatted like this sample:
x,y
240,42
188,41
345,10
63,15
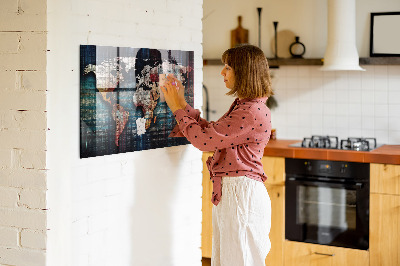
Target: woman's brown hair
x,y
250,66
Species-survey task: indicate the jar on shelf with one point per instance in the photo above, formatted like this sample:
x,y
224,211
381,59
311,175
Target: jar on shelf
x,y
297,49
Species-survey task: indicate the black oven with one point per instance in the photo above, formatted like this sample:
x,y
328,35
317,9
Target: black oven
x,y
327,202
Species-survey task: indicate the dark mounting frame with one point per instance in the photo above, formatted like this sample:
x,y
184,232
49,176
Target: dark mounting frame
x,y
375,16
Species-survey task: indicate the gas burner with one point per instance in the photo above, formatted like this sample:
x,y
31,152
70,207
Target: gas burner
x,y
327,142
358,144
332,142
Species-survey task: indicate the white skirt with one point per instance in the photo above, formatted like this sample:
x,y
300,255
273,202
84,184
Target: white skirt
x,y
241,223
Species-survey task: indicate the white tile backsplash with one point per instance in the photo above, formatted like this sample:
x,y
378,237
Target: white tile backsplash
x,y
304,72
354,132
381,71
343,103
381,97
354,80
394,82
382,136
394,123
351,103
367,123
342,122
367,110
394,137
304,82
292,83
381,122
342,96
381,84
381,110
342,109
393,71
394,97
355,109
329,109
394,110
291,71
367,96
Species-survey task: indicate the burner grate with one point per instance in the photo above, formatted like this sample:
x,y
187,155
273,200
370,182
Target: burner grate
x,y
332,142
358,144
327,142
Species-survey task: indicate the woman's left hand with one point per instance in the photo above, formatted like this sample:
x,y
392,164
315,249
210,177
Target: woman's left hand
x,y
171,93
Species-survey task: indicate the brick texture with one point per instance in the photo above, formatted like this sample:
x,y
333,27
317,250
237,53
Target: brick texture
x,y
8,197
33,239
145,193
18,256
23,125
33,199
9,237
23,218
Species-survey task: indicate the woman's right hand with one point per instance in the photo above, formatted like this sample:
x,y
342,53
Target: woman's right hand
x,y
181,89
174,93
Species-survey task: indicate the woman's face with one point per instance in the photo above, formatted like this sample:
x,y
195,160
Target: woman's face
x,y
229,76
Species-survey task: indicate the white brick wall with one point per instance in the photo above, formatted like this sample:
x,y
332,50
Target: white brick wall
x,y
9,197
23,132
33,239
113,210
140,208
9,237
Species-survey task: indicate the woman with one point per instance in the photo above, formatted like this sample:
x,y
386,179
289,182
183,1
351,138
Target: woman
x,y
242,211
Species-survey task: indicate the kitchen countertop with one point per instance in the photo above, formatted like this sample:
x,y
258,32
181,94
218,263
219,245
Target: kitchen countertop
x,y
389,154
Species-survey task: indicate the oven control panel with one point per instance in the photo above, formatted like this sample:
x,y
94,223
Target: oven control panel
x,y
337,169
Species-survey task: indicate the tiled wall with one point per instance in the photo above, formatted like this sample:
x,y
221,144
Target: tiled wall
x,y
313,102
344,103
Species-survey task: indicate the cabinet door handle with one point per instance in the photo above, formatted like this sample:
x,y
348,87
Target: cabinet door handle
x,y
324,254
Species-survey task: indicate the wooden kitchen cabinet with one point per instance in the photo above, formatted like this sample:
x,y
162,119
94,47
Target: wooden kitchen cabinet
x,y
384,236
305,254
385,178
206,225
274,168
277,233
385,215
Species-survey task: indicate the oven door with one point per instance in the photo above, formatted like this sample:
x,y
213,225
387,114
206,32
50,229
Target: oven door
x,y
327,213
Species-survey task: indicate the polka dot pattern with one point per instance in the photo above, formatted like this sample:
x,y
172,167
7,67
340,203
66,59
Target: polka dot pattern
x,y
238,139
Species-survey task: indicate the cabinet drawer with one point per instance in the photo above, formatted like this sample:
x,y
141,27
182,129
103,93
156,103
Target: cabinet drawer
x,y
304,254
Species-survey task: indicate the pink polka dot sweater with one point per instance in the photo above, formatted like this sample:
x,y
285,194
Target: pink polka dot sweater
x,y
238,139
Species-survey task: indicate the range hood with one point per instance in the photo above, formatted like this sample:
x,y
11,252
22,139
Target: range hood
x,y
341,51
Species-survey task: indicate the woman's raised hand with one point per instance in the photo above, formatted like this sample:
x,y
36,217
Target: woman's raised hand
x,y
174,93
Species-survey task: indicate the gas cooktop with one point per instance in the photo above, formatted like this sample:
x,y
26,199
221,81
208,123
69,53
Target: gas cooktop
x,y
332,142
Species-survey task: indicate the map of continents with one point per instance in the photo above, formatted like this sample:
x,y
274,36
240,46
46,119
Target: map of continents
x,y
128,82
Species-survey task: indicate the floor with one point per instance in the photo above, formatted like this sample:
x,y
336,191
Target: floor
x,y
206,261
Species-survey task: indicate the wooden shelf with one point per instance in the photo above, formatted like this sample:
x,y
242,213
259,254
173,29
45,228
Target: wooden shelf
x,y
274,63
380,61
212,62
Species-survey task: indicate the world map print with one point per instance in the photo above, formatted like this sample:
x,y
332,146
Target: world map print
x,y
122,108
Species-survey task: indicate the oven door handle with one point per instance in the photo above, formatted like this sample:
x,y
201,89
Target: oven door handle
x,y
357,185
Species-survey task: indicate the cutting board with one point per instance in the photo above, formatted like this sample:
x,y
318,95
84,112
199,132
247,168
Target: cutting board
x,y
239,35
